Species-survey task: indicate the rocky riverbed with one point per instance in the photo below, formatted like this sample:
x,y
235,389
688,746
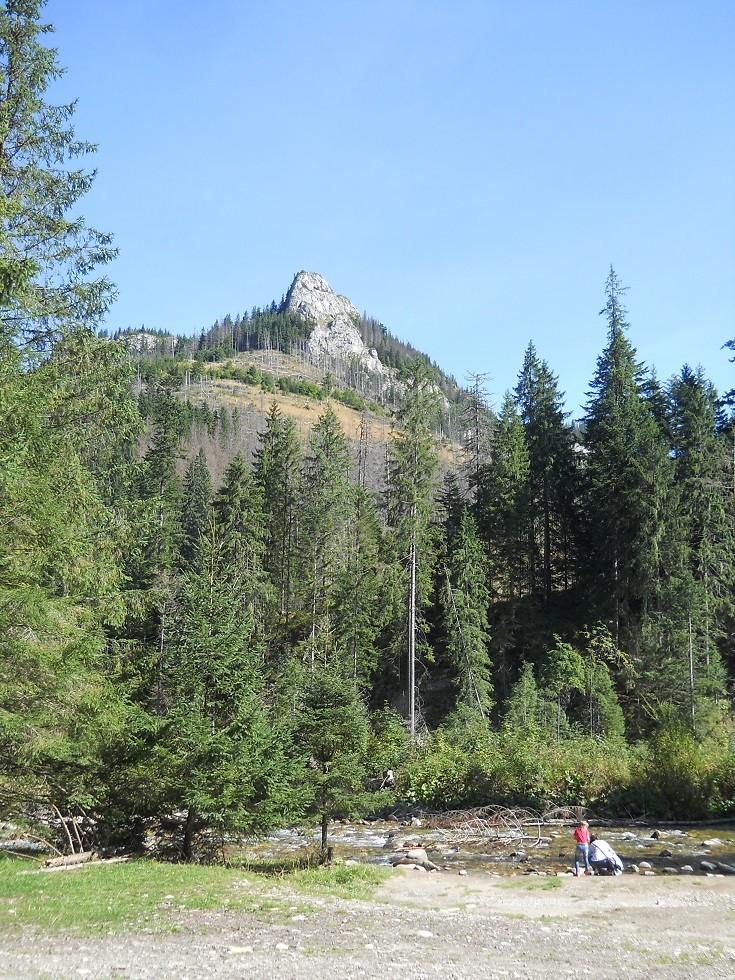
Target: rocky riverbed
x,y
546,850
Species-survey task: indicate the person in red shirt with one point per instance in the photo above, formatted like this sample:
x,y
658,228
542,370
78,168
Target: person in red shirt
x,y
582,837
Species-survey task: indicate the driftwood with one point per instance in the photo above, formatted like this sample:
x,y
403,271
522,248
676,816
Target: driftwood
x,y
81,857
489,823
85,864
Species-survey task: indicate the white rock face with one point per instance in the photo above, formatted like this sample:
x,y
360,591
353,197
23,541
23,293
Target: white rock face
x,y
334,317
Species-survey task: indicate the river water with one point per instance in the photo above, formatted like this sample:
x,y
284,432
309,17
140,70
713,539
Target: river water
x,y
546,849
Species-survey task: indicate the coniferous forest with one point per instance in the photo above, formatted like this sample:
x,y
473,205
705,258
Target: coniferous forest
x,y
545,618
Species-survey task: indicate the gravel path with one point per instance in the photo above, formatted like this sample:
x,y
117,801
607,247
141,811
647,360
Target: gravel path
x,y
425,926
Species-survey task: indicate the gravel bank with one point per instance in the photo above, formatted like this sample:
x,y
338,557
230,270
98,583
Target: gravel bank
x,y
423,926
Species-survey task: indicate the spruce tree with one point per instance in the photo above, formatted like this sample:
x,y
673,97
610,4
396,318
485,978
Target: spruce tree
x,y
46,256
277,474
62,401
503,508
465,600
358,613
324,530
196,499
552,477
411,537
703,477
627,478
225,762
332,731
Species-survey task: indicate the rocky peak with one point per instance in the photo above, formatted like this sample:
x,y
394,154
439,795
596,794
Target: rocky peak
x,y
312,298
334,318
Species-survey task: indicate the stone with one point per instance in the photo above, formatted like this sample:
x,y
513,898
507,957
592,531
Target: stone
x,y
713,842
708,866
665,854
334,318
633,869
727,869
686,869
671,871
644,866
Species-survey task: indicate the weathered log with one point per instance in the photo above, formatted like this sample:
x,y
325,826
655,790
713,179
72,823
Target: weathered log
x,y
88,864
81,858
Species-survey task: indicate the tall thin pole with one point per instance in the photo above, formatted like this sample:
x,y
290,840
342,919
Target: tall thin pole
x,y
691,675
412,642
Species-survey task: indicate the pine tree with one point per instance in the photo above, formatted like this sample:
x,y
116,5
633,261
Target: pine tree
x,y
332,731
702,474
504,506
45,257
277,475
160,484
465,600
324,526
411,538
477,427
240,520
552,477
196,499
60,576
226,766
358,614
627,480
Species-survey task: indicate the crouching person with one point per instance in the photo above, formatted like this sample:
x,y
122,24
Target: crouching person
x,y
603,858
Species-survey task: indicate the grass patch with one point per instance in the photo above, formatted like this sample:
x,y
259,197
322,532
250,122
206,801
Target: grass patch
x,y
144,894
353,881
534,884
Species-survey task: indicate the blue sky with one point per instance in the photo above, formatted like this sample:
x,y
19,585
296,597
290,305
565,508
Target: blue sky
x,y
464,171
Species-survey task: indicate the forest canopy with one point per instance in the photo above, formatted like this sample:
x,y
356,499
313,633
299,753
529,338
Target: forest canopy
x,y
547,618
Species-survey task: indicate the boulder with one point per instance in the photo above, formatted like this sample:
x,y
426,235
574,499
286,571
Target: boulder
x,y
416,856
708,866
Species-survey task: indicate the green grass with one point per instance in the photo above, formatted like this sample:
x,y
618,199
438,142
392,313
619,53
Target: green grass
x,y
143,894
533,884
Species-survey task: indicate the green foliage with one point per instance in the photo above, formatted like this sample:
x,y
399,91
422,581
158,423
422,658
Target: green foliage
x,y
166,645
333,731
675,773
46,257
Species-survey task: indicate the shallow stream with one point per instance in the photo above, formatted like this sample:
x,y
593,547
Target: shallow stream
x,y
548,849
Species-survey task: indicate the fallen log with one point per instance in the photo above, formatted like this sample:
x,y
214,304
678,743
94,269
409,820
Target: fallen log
x,y
80,858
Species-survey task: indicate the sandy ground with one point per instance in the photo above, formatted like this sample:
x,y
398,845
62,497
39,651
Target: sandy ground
x,y
426,925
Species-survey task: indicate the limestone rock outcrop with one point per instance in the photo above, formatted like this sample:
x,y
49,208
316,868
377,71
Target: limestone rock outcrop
x,y
334,317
